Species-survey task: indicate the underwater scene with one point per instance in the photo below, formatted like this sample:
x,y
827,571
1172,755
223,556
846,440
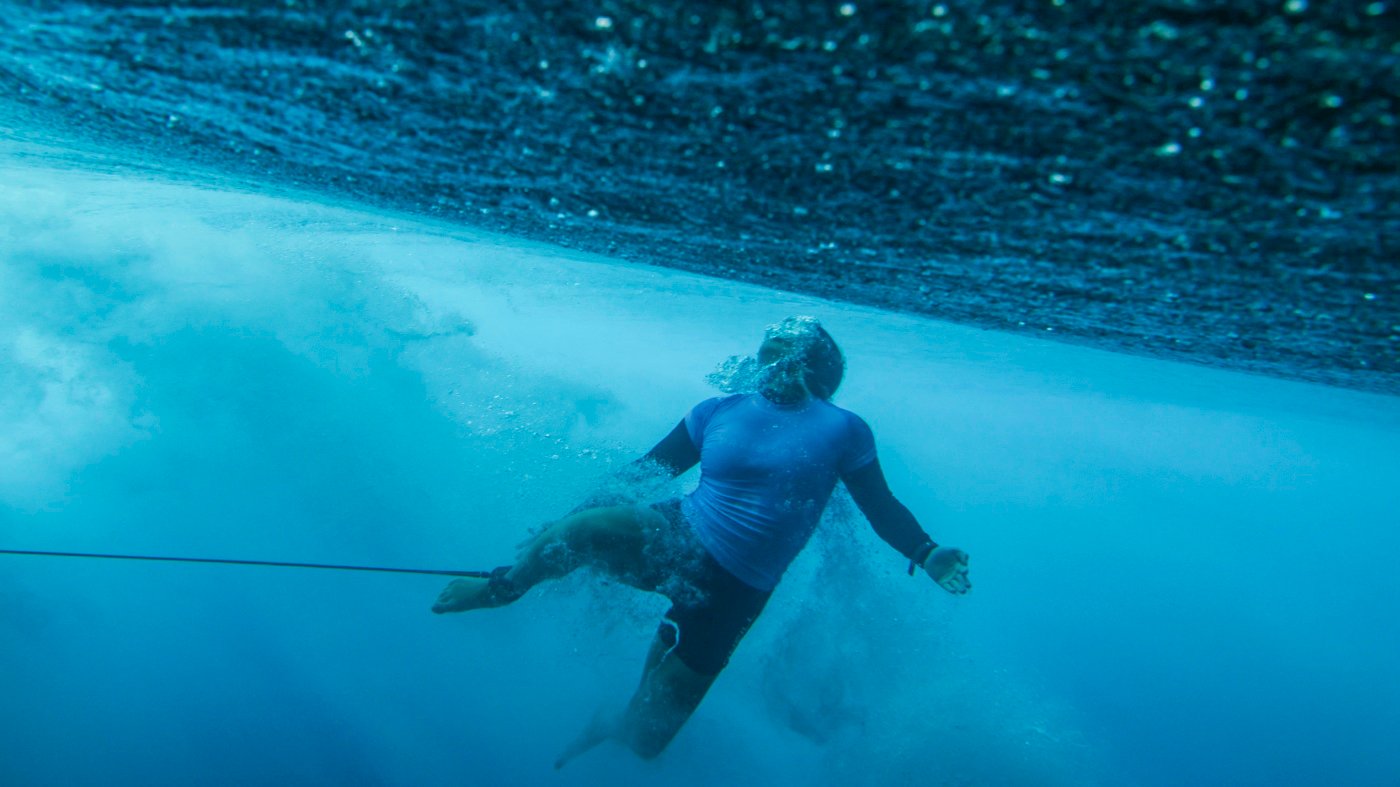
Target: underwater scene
x,y
985,393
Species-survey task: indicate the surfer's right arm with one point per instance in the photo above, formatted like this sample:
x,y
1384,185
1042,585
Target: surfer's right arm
x,y
675,454
670,457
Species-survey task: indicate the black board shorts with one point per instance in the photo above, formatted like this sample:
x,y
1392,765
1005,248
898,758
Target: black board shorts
x,y
711,609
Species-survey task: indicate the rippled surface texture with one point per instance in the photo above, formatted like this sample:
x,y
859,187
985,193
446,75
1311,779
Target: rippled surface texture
x,y
1210,181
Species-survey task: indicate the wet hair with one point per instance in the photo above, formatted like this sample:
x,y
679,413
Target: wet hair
x,y
825,365
821,363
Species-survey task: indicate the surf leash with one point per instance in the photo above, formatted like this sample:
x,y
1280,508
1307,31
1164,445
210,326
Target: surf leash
x,y
235,562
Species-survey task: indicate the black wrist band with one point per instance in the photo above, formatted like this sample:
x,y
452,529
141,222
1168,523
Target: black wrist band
x,y
918,556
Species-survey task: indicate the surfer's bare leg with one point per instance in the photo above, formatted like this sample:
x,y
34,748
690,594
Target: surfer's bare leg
x,y
611,539
669,693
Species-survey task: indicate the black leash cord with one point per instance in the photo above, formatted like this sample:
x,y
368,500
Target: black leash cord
x,y
229,562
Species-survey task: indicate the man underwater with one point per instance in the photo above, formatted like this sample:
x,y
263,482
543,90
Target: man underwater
x,y
769,461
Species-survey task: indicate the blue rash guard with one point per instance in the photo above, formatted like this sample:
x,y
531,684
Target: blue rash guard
x,y
766,473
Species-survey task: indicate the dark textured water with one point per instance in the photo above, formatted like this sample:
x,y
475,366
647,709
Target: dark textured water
x,y
1212,181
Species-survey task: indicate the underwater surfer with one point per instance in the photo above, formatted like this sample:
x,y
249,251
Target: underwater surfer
x,y
769,461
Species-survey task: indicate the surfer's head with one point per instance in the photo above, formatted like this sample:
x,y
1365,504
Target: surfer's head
x,y
800,357
797,359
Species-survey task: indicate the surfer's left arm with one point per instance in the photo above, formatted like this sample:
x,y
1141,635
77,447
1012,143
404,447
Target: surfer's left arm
x,y
894,523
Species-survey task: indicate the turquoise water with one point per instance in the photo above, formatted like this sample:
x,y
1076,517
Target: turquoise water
x,y
1183,575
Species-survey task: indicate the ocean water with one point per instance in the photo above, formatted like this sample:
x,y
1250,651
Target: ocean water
x,y
1213,181
391,284
1182,575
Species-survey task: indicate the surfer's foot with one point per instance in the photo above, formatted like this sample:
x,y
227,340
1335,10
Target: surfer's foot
x,y
604,725
468,593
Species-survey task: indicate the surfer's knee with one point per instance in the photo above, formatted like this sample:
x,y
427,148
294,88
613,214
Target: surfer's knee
x,y
648,742
602,528
649,750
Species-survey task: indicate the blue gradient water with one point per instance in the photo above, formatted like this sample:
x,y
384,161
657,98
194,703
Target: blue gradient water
x,y
1183,576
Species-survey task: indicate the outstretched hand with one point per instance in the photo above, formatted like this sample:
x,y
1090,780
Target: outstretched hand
x,y
948,567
